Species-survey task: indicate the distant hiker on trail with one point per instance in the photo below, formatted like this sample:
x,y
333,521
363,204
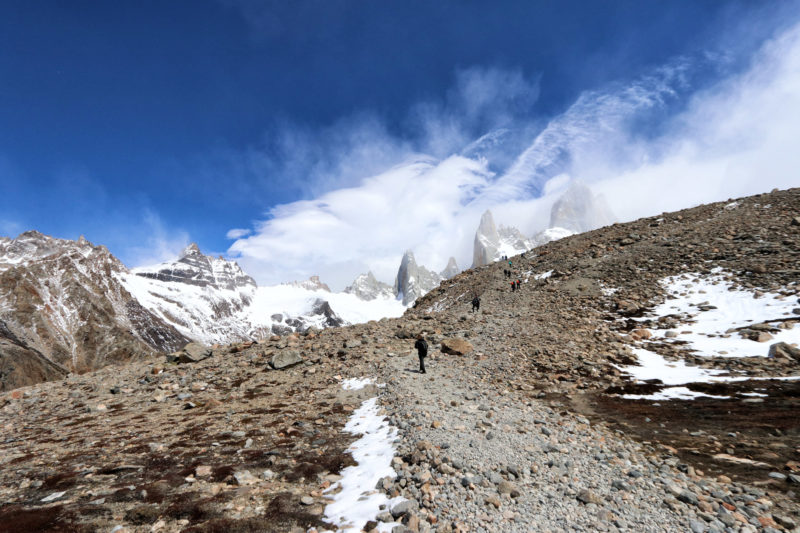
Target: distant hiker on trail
x,y
422,351
518,284
513,286
476,304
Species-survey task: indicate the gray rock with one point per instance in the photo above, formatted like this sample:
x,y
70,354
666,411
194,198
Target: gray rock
x,y
193,353
587,496
244,477
687,496
404,507
285,359
697,526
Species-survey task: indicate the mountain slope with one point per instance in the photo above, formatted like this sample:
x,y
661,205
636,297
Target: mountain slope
x,y
62,300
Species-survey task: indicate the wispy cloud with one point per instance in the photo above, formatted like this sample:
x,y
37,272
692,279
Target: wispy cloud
x,y
160,243
652,144
238,233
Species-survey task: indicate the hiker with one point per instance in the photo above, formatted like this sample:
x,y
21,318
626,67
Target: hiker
x,y
513,286
476,304
422,351
518,284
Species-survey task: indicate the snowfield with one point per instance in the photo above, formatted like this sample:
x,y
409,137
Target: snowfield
x,y
710,311
210,315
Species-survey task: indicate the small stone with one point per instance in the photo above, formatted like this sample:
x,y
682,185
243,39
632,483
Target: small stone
x,y
244,477
307,500
202,471
493,500
586,496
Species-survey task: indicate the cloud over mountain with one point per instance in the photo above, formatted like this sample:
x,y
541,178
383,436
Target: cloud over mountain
x,y
659,142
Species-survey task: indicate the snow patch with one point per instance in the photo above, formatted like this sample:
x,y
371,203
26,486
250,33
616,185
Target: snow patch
x,y
356,383
358,501
709,332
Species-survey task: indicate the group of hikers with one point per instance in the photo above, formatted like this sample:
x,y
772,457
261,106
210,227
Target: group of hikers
x,y
421,344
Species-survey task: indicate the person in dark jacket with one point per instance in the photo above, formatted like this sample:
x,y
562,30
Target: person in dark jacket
x,y
476,304
422,351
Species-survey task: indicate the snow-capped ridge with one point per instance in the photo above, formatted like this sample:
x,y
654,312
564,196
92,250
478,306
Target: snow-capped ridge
x,y
367,287
492,242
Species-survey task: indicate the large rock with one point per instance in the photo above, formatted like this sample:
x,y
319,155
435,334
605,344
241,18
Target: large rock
x,y
285,359
193,353
456,346
784,351
414,281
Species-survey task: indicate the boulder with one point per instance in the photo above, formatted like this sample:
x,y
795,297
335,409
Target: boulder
x,y
285,359
784,351
456,346
193,353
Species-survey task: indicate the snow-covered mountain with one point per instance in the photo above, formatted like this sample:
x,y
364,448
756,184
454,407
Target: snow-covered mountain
x,y
63,309
579,210
492,242
367,287
212,300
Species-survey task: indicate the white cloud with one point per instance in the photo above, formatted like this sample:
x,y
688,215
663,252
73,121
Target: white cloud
x,y
238,233
160,243
733,138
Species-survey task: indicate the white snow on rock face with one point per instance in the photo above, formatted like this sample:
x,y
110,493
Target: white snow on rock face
x,y
367,287
550,235
492,242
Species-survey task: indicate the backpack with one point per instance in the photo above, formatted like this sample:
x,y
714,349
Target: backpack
x,y
421,345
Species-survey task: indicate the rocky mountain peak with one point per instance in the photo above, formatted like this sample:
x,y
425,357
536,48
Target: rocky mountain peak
x,y
191,250
313,283
414,280
194,268
580,210
367,287
451,269
492,242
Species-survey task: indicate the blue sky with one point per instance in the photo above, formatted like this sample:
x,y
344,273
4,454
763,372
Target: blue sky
x,y
145,125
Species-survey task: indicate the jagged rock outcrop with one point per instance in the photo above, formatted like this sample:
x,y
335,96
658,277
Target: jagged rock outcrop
x,y
203,297
367,287
451,269
414,280
579,210
64,310
194,268
312,284
492,242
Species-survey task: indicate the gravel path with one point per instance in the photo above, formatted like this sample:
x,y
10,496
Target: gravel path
x,y
474,456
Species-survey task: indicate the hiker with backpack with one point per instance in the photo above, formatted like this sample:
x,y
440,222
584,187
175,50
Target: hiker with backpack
x,y
422,351
476,304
